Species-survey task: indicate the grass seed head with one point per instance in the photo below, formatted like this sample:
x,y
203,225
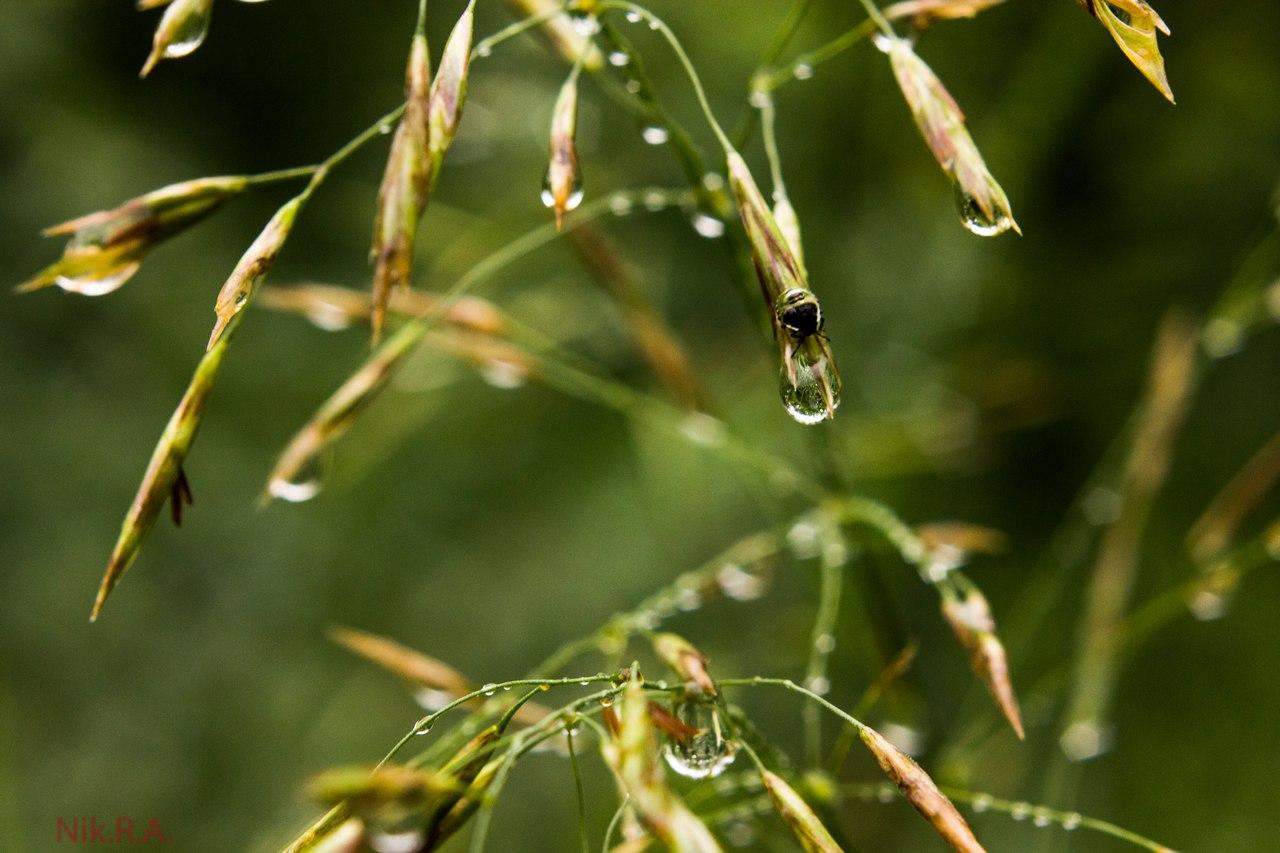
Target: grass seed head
x,y
969,615
921,792
802,821
686,661
925,12
632,755
164,477
106,248
562,189
253,268
181,31
983,206
405,190
449,89
1134,25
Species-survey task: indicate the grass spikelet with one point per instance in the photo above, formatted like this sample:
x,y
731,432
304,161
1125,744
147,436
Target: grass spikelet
x,y
164,478
253,267
106,248
1134,25
1214,531
181,30
405,190
562,189
804,824
921,792
633,757
449,89
810,381
685,660
983,206
969,615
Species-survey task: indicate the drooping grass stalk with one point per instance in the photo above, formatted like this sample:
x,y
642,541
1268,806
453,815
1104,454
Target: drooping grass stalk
x,y
1170,384
866,703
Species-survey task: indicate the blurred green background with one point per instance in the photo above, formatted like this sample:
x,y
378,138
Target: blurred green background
x,y
984,380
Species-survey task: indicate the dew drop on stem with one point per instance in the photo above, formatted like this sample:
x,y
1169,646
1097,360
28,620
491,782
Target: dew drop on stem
x,y
706,753
99,282
300,487
655,134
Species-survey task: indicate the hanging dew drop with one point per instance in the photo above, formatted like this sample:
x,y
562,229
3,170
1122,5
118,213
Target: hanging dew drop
x,y
815,394
396,842
620,204
300,487
633,86
189,34
976,220
707,226
981,803
586,25
619,58
504,375
633,17
1042,818
1072,821
99,283
705,754
655,134
802,71
484,50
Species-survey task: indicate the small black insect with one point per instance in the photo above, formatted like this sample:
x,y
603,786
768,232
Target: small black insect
x,y
800,314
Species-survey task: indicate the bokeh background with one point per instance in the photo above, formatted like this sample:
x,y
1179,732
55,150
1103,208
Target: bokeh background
x,y
985,380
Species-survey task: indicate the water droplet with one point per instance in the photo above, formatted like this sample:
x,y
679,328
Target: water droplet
x,y
825,643
1072,821
618,58
422,730
1084,739
655,200
818,684
484,50
99,282
189,34
386,127
1208,605
586,25
759,99
1041,818
301,486
606,701
803,540
1222,337
328,317
816,392
506,375
1020,811
1101,506
702,429
885,793
655,134
705,754
976,220
633,17
430,699
738,584
620,204
803,71
981,803
740,833
654,25
574,198
633,86
396,842
707,226
713,182
688,599
906,738
490,689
